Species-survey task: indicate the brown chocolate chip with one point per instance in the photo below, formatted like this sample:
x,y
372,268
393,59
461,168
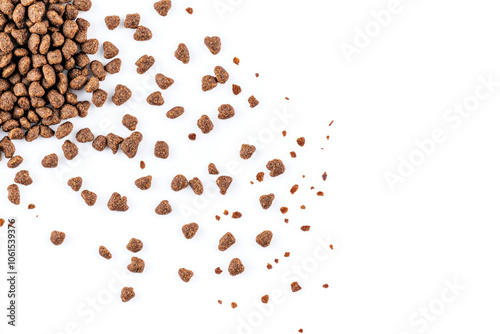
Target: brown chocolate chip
x,y
64,129
136,265
155,99
75,183
105,253
175,112
110,50
205,124
226,241
143,34
179,182
301,141
247,151
31,206
295,287
89,197
221,75
196,185
100,143
276,167
84,136
226,111
130,122
218,271
185,274
13,194
236,89
189,230
117,203
57,238
162,7
122,95
266,201
260,176
50,161
324,176
284,209
144,64
163,208
305,228
223,182
163,81
112,22
265,299
130,145
294,189
213,44
14,162
70,150
127,294
135,245
208,82
235,267
264,238
253,101
212,169
182,53
144,183
23,177
161,150
132,21
236,215
192,136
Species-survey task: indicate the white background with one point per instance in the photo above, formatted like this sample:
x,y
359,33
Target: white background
x,y
395,249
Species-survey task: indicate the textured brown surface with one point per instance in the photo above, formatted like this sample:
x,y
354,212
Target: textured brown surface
x,y
236,267
223,182
135,245
127,294
266,201
179,182
226,241
185,274
276,167
213,44
163,208
189,230
264,238
105,253
57,237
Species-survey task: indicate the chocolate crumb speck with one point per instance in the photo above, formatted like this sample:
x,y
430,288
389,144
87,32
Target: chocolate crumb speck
x,y
320,193
105,253
283,133
294,189
189,10
127,294
253,101
266,201
234,305
142,164
236,215
305,228
236,89
301,141
218,270
287,254
295,287
236,60
265,299
31,206
225,212
212,169
269,266
293,154
260,176
57,238
192,136
326,286
324,176
185,274
303,207
284,209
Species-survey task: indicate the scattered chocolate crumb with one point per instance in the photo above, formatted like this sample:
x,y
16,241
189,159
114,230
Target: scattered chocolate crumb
x,y
130,122
294,189
236,89
23,177
136,265
155,99
127,294
112,22
105,253
287,254
2,221
162,7
257,75
269,266
192,136
324,176
326,286
284,209
182,53
236,60
89,197
283,133
213,44
117,203
144,64
225,212
260,176
236,215
175,112
163,81
161,150
205,124
31,206
264,238
189,10
142,164
320,193
276,167
301,330
301,141
223,182
13,194
144,183
266,201
253,101
219,301
293,154
134,245
185,274
306,228
163,208
286,220
218,270
50,161
196,185
247,151
132,21
143,34
57,237
265,299
235,267
217,217
122,95
276,261
295,287
189,230
234,305
330,123
179,182
208,82
212,170
303,207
